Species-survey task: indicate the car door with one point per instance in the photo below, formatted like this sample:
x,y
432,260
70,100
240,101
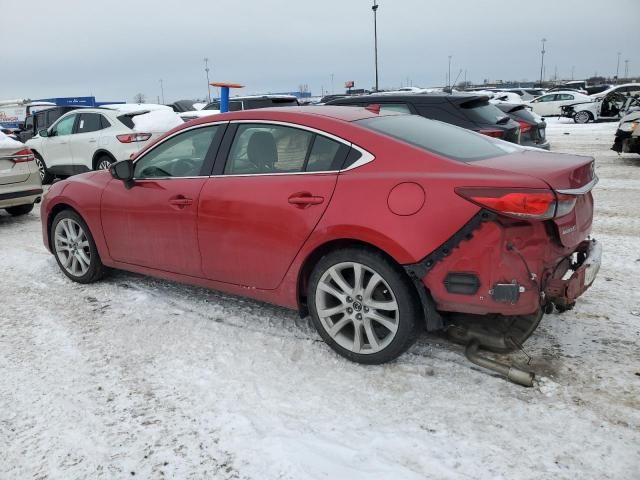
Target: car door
x,y
269,192
153,223
562,99
84,141
55,147
544,104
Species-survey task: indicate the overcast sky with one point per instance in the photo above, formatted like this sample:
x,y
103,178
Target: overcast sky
x,y
115,49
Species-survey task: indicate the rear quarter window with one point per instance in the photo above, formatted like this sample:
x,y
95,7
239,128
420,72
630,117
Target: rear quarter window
x,y
440,138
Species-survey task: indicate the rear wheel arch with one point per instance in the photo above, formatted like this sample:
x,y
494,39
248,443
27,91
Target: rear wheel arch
x,y
320,251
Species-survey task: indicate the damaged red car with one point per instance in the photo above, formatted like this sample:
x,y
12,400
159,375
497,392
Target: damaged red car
x,y
377,224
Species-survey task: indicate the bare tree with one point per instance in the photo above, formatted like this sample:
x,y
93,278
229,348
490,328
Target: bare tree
x,y
139,98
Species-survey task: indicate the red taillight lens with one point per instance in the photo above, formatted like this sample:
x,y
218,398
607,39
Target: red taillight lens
x,y
24,155
536,204
524,126
133,137
492,133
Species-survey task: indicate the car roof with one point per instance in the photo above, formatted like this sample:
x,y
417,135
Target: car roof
x,y
344,113
251,97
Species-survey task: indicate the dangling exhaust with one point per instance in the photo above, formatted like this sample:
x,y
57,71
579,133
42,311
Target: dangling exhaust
x,y
514,374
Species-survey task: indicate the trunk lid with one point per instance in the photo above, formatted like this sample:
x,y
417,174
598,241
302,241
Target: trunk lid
x,y
571,175
10,170
559,171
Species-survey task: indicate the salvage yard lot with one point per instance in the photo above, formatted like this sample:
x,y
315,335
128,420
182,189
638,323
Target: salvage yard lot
x,y
146,379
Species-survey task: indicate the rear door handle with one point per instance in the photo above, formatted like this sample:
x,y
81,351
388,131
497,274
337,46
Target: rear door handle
x,y
305,199
180,201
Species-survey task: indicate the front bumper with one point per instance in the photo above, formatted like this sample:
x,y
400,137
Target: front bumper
x,y
564,291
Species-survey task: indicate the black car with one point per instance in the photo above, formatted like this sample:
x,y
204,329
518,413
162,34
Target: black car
x,y
41,119
255,101
183,106
473,112
532,126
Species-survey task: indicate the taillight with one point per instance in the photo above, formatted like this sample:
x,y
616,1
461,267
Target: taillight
x,y
492,133
133,137
22,156
565,204
524,126
538,204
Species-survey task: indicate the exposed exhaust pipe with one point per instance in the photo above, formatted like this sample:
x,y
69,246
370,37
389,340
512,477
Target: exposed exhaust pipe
x,y
516,375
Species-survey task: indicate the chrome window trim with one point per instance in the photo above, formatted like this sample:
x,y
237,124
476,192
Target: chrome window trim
x,y
581,190
363,160
200,125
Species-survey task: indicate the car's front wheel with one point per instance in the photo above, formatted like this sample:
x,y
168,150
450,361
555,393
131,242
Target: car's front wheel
x,y
74,248
363,305
582,117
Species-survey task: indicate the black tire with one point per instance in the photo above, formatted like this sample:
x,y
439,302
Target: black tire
x,y
19,210
45,175
407,315
103,162
96,270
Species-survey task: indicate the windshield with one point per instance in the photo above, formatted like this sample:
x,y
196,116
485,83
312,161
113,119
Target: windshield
x,y
438,137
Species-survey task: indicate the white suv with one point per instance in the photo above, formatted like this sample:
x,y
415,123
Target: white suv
x,y
93,138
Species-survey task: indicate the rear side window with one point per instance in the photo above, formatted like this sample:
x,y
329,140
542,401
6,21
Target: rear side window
x,y
395,107
481,111
89,122
326,155
437,137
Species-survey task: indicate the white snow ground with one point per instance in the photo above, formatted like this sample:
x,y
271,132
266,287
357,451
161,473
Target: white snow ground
x,y
140,378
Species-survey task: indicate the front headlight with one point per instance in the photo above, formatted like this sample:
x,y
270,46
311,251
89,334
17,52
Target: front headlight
x,y
629,126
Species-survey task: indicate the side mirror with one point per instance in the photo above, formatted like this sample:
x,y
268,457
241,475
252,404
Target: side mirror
x,y
123,170
43,133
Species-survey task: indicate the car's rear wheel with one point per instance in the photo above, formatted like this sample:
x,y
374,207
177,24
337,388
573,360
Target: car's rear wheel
x,y
45,176
19,210
363,305
74,248
582,117
103,162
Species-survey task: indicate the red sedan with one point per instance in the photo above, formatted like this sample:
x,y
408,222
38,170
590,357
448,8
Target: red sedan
x,y
377,224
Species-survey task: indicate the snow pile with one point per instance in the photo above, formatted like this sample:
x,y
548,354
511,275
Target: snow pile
x,y
157,121
8,142
199,106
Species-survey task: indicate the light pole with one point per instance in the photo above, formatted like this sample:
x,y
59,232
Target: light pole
x,y
375,37
618,67
332,83
626,69
449,74
161,91
206,69
542,61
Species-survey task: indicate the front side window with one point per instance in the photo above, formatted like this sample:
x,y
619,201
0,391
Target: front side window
x,y
180,156
263,148
547,98
64,126
89,122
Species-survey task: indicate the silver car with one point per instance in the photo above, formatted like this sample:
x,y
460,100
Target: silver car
x,y
20,186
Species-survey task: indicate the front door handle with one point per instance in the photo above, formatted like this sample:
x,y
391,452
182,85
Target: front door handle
x,y
305,199
180,201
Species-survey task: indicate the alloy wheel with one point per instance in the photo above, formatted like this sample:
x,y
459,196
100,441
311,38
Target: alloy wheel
x,y
104,164
41,168
72,247
357,308
582,117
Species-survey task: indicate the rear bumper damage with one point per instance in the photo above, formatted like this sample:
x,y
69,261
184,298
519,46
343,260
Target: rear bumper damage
x,y
509,269
578,278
